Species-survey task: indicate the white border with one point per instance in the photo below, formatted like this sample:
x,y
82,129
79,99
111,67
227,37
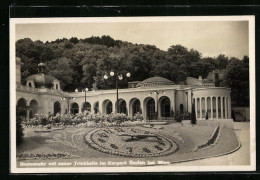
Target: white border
x,y
168,168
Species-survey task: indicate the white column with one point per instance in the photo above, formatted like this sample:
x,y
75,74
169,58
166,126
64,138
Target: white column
x,y
142,104
156,105
130,109
211,107
100,107
229,108
127,107
217,107
200,109
221,101
159,110
93,107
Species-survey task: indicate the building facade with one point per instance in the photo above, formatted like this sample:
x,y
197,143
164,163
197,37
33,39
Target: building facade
x,y
151,97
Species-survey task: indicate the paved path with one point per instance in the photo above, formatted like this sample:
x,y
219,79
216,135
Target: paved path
x,y
239,157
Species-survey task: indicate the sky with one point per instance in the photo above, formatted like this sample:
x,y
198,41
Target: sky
x,y
210,38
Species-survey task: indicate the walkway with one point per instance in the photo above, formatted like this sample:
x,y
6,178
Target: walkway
x,y
239,157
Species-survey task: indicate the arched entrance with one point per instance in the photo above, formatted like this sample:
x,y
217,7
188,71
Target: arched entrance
x,y
150,109
21,107
135,106
74,108
33,108
86,107
57,108
122,106
107,107
165,105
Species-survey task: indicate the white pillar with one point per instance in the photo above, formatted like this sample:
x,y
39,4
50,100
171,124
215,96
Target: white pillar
x,y
142,104
211,107
127,107
130,109
100,106
159,110
229,108
221,101
93,107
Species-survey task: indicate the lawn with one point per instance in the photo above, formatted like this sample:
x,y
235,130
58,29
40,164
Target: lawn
x,y
70,143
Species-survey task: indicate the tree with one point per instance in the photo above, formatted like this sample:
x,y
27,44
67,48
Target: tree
x,y
222,61
60,69
217,80
237,79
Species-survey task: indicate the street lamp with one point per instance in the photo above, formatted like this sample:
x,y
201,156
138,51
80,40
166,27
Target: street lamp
x,y
119,76
156,93
85,90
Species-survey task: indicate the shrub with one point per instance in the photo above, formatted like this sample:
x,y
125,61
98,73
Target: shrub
x,y
207,116
44,121
56,119
138,117
182,116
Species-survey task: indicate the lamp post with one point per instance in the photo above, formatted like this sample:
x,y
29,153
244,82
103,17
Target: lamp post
x,y
156,93
85,90
119,76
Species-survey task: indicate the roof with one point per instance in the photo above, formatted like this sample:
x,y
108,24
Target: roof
x,y
193,81
156,81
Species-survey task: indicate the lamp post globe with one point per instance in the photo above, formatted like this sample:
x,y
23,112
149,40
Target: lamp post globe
x,y
128,74
112,73
120,77
105,77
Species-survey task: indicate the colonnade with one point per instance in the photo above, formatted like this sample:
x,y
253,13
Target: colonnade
x,y
212,107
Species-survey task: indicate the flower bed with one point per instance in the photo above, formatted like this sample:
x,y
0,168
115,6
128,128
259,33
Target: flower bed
x,y
130,142
211,141
85,119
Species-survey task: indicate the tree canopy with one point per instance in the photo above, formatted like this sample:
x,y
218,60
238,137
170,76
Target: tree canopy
x,y
78,63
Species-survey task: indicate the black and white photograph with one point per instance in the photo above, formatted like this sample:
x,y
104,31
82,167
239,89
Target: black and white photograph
x,y
132,94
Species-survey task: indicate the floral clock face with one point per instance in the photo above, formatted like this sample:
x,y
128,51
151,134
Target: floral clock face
x,y
129,141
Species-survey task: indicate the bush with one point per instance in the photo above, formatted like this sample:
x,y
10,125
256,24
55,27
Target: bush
x,y
207,116
182,116
44,121
138,117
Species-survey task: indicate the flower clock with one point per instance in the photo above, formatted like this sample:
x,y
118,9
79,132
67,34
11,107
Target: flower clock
x,y
128,141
